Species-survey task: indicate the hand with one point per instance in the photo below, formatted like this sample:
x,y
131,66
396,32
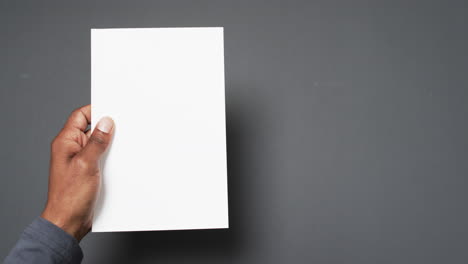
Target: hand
x,y
75,176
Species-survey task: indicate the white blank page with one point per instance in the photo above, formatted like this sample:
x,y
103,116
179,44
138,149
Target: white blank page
x,y
166,167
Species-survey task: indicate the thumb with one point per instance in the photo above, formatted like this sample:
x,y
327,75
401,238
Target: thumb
x,y
99,140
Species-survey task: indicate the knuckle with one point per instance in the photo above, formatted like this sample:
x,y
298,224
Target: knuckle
x,y
85,167
81,164
75,111
55,145
98,139
61,145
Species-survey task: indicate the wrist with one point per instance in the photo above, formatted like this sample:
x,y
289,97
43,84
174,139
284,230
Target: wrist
x,y
74,227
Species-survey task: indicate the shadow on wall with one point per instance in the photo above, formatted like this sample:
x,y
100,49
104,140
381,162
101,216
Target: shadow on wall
x,y
136,247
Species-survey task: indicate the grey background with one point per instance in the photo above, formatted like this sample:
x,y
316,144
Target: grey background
x,y
346,122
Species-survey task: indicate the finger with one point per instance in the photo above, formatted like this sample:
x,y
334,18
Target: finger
x,y
64,148
80,118
98,141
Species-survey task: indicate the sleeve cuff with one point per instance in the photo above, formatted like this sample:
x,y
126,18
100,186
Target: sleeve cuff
x,y
59,241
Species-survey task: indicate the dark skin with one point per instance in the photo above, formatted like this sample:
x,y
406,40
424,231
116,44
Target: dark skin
x,y
75,175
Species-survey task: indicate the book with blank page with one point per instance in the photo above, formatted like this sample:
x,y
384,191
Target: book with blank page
x,y
166,166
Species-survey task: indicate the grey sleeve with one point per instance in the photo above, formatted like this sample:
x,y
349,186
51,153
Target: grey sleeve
x,y
44,242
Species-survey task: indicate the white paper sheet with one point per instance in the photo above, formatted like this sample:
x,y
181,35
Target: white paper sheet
x,y
164,88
